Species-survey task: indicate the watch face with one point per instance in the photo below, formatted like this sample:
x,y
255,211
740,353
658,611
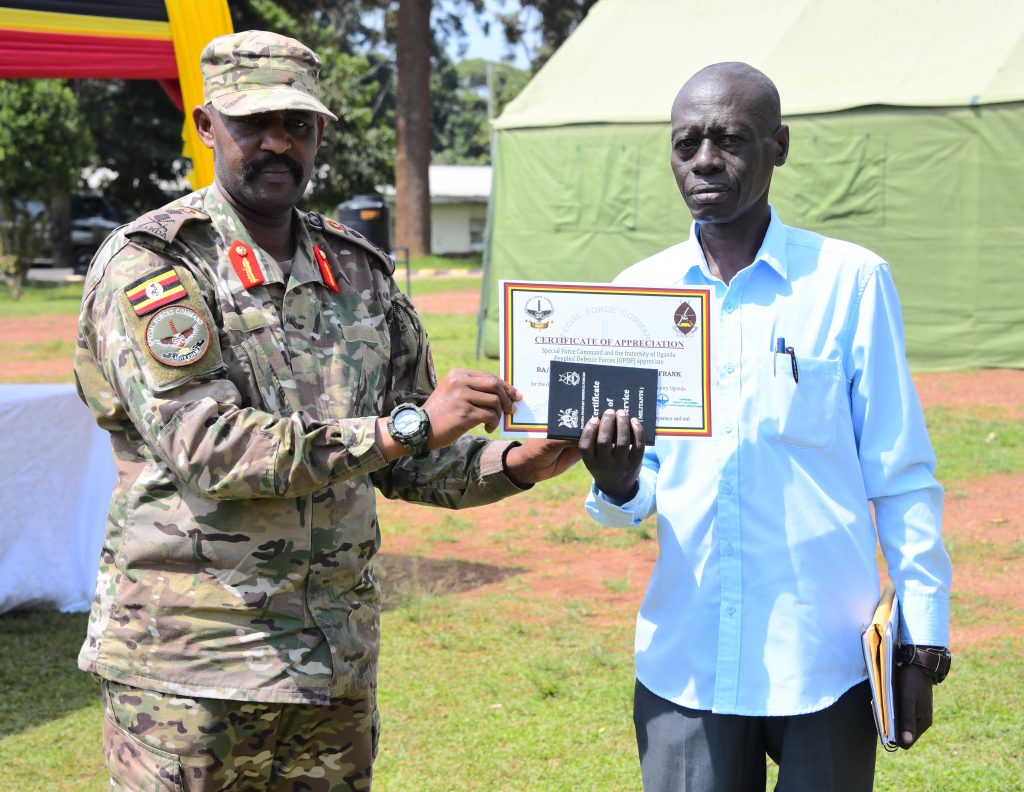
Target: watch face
x,y
407,421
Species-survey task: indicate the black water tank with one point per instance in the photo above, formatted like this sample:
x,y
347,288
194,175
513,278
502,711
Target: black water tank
x,y
367,214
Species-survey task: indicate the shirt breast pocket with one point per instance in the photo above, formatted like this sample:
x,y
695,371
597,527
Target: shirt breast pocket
x,y
804,413
358,378
249,349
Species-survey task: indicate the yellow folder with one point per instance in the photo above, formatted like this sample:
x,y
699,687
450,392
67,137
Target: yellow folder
x,y
879,642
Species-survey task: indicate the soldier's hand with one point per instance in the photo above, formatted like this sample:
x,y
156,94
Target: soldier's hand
x,y
612,448
539,460
464,399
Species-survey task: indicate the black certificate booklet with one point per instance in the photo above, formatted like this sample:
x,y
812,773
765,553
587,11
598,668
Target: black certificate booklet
x,y
579,391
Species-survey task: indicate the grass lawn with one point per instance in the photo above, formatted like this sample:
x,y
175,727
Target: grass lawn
x,y
501,692
421,286
508,690
442,263
40,299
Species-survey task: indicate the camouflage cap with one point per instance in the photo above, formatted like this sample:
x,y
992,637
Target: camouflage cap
x,y
257,71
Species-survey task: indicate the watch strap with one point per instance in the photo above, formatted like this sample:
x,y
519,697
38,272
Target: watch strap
x,y
418,447
935,660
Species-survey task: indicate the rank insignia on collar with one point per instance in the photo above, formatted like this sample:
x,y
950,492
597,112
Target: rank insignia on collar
x,y
325,269
177,336
155,290
247,266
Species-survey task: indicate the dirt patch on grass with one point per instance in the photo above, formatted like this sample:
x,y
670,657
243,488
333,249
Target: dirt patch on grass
x,y
983,525
462,302
23,357
406,576
1002,390
557,552
559,555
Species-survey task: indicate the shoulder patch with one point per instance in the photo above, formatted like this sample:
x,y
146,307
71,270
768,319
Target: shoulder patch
x,y
179,341
165,223
155,290
330,226
178,336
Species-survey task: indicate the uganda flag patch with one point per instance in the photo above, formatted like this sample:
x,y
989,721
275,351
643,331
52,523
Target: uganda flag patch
x,y
155,290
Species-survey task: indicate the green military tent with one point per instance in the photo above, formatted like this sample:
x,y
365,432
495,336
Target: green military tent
x,y
907,123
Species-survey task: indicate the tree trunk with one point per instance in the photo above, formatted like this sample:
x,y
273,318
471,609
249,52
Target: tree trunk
x,y
14,283
413,128
60,228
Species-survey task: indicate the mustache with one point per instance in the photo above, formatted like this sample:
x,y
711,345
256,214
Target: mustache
x,y
251,169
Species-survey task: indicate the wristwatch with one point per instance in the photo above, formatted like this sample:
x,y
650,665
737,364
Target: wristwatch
x,y
933,659
408,424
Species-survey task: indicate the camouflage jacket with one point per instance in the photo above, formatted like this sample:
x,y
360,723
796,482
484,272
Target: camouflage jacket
x,y
238,554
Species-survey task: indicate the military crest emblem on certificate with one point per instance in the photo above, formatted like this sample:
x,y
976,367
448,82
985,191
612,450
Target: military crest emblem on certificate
x,y
538,311
685,318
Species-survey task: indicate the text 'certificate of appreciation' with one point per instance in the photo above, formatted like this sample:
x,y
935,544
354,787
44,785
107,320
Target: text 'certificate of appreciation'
x,y
660,328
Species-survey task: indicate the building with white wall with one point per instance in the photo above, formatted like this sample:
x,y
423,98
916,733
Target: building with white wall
x,y
458,208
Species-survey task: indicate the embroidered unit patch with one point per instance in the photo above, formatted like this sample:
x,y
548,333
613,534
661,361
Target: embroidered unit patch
x,y
178,336
325,269
155,291
247,266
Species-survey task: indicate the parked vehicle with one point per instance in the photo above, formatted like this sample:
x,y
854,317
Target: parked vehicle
x,y
93,217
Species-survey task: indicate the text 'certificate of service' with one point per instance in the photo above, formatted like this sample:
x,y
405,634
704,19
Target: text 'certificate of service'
x,y
659,328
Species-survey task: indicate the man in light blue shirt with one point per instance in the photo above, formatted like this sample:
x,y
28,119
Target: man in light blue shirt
x,y
748,638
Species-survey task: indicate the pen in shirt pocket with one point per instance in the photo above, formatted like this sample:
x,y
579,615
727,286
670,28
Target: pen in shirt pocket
x,y
782,349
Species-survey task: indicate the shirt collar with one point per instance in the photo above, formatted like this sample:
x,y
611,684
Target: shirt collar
x,y
772,251
304,266
230,228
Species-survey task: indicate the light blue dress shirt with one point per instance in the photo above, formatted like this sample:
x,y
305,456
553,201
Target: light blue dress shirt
x,y
766,572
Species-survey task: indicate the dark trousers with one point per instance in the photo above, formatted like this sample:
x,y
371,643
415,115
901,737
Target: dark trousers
x,y
685,750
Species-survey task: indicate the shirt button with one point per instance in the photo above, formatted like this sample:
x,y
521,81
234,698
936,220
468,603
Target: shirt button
x,y
731,610
727,488
731,367
729,308
728,428
727,549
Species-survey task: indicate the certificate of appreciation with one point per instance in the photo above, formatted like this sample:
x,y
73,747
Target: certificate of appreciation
x,y
656,328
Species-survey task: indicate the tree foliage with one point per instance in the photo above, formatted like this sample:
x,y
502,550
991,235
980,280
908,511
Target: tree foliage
x,y
460,109
43,144
137,129
554,20
43,141
357,154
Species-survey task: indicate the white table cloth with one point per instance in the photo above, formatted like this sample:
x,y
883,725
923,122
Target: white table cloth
x,y
56,475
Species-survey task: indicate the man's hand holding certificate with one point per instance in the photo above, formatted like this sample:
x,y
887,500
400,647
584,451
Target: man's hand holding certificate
x,y
575,350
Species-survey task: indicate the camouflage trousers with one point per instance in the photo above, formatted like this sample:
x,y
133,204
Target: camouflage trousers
x,y
163,741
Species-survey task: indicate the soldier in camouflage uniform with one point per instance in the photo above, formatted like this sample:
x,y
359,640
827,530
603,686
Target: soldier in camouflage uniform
x,y
244,357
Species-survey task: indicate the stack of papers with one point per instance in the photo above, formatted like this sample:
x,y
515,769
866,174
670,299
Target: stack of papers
x,y
879,642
